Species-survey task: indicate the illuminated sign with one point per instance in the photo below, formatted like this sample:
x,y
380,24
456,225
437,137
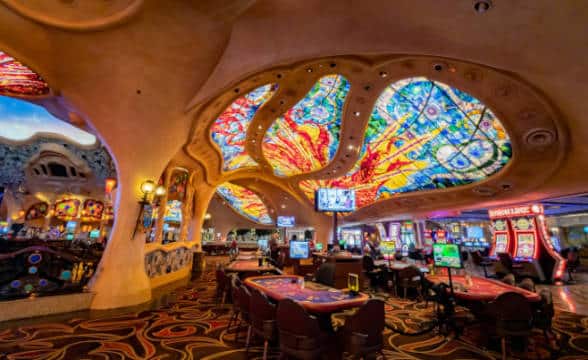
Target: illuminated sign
x,y
524,210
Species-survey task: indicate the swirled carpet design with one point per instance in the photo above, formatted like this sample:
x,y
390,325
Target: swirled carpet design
x,y
194,327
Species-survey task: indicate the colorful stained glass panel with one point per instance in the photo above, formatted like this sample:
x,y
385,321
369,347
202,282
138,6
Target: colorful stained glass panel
x,y
177,185
229,130
245,202
306,137
17,79
423,135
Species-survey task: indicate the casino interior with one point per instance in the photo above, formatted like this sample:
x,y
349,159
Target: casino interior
x,y
255,179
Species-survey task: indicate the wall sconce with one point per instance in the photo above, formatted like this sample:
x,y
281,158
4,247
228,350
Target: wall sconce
x,y
147,188
144,217
207,216
159,190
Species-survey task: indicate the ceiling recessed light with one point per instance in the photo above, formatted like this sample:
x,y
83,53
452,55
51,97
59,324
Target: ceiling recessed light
x,y
308,70
283,206
253,140
350,147
259,127
481,6
383,74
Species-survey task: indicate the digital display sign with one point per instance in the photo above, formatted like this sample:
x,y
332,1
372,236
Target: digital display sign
x,y
299,250
332,199
286,221
447,255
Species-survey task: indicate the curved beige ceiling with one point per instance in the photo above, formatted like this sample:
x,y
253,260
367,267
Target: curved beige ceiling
x,y
173,68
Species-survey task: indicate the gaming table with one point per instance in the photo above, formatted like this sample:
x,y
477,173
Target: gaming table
x,y
314,297
249,266
249,255
482,289
400,265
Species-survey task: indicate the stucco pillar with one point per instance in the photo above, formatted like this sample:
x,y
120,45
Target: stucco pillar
x,y
202,195
121,279
323,232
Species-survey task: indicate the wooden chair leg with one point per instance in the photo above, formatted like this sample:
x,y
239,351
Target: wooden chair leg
x,y
503,345
248,338
265,346
405,293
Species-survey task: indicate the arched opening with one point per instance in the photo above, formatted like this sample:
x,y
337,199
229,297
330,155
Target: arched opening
x,y
56,185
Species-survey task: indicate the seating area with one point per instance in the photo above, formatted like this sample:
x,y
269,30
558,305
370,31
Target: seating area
x,y
195,325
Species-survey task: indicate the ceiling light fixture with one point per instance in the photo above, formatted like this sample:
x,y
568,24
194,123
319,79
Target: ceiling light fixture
x,y
481,6
356,113
383,74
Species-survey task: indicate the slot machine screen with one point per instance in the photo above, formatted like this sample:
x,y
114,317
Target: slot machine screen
x,y
525,246
319,247
501,242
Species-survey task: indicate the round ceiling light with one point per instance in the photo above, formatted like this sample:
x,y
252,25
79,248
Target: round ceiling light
x,y
481,6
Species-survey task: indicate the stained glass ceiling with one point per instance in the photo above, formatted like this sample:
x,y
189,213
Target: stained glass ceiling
x,y
229,130
245,202
20,120
17,79
306,137
423,135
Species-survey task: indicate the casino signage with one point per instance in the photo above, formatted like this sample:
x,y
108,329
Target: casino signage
x,y
524,210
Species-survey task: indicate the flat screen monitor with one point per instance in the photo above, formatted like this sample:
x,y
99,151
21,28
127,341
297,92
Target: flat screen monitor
x,y
447,255
286,221
94,234
318,247
475,232
299,250
71,226
332,199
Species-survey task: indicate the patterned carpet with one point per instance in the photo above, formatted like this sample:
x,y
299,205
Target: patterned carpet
x,y
193,328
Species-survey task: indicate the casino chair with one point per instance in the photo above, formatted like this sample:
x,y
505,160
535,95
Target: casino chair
x,y
244,297
263,319
373,273
543,316
411,278
479,260
221,286
300,334
527,284
514,317
325,274
236,310
362,331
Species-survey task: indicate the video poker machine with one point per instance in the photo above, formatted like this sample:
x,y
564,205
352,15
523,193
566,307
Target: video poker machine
x,y
521,232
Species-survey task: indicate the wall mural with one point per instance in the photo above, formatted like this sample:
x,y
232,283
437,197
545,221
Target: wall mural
x,y
93,209
245,202
229,130
14,159
20,120
37,211
306,137
423,135
67,208
160,262
177,185
17,79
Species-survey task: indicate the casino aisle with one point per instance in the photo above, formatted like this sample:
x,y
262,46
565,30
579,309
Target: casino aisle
x,y
193,327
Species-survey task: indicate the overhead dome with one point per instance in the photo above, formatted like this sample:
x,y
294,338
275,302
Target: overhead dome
x,y
17,79
229,130
245,202
423,135
306,137
20,120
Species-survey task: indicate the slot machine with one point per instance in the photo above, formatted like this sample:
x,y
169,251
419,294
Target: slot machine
x,y
501,237
532,249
